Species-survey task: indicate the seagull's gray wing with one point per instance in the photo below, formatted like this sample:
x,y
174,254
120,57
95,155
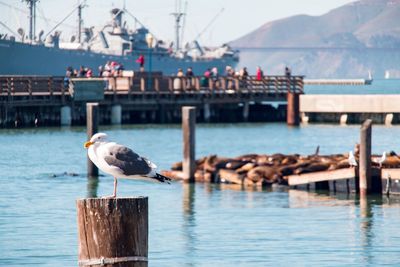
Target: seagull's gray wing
x,y
128,161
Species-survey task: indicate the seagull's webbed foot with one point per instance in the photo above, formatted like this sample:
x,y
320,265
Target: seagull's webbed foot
x,y
108,197
114,195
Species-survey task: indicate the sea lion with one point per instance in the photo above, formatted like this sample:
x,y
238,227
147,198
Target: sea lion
x,y
209,163
230,176
344,163
199,176
174,175
245,168
289,160
263,160
177,166
247,157
265,173
313,167
286,170
291,169
276,158
213,163
235,164
208,177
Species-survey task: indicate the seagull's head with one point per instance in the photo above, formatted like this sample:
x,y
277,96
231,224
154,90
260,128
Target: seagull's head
x,y
96,139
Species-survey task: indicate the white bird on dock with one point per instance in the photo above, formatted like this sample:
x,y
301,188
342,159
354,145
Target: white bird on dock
x,y
352,159
382,159
120,161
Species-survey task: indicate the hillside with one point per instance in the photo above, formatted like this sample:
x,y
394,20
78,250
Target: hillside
x,y
348,41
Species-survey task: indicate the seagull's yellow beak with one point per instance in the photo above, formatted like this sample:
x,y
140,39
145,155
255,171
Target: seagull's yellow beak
x,y
88,144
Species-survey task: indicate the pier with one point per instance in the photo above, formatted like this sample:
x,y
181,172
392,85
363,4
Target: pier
x,y
350,108
28,101
337,81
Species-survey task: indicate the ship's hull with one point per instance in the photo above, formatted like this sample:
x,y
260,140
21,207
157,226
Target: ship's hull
x,y
24,59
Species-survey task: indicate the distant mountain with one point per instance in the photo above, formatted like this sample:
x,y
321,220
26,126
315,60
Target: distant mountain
x,y
348,41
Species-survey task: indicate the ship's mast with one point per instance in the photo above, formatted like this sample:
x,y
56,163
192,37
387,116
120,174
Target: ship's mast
x,y
32,18
178,15
80,20
79,23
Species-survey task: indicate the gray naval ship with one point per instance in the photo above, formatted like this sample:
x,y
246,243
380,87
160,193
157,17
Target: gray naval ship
x,y
93,47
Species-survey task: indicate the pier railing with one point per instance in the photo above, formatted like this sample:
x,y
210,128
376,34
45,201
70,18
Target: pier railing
x,y
44,86
170,84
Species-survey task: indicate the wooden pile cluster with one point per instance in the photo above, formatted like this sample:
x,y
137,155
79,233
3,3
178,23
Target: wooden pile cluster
x,y
254,169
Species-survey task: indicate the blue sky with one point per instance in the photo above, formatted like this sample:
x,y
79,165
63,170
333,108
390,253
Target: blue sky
x,y
228,19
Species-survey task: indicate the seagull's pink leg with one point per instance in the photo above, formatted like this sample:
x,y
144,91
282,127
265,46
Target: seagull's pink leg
x,y
115,188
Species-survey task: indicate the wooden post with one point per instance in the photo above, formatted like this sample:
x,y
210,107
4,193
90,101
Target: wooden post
x,y
188,127
92,121
246,111
293,109
365,158
113,231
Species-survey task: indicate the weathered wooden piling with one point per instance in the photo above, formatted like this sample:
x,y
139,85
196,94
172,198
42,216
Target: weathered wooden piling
x,y
246,111
113,231
188,128
92,122
65,116
365,158
293,109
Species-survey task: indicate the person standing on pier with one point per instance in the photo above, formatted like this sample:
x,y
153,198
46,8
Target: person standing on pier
x,y
189,76
82,72
180,73
259,74
287,72
68,75
140,60
243,75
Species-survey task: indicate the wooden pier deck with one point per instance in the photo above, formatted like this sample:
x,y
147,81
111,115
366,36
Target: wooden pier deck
x,y
22,96
38,89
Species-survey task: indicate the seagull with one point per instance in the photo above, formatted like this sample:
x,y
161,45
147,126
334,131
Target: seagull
x,y
382,159
120,161
352,159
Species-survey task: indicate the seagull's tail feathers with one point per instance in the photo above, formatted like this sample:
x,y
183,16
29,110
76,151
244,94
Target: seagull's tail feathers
x,y
161,178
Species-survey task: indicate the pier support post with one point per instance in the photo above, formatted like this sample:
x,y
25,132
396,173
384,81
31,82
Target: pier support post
x,y
162,111
113,231
116,114
188,127
343,119
304,118
246,111
293,109
365,158
207,112
389,119
92,121
65,116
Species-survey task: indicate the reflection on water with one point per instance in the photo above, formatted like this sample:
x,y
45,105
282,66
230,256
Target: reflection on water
x,y
189,219
92,186
366,223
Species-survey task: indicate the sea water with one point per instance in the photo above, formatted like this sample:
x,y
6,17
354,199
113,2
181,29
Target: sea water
x,y
43,173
